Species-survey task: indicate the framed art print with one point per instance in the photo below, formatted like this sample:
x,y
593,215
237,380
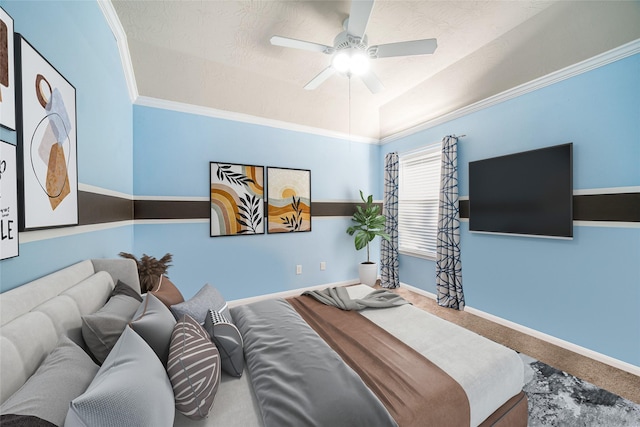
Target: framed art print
x,y
7,79
289,200
47,150
8,201
237,199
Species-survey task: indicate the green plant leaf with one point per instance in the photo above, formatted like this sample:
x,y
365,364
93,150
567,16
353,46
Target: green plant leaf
x,y
361,240
369,223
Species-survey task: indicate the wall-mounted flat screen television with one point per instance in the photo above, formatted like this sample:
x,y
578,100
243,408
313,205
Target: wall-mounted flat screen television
x,y
528,193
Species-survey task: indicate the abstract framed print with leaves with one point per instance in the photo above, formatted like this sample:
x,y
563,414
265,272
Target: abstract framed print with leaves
x,y
47,142
289,200
237,199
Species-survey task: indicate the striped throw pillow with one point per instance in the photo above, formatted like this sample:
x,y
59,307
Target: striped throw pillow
x,y
193,368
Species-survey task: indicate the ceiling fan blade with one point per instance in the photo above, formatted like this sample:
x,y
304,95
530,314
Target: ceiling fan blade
x,y
320,78
359,17
414,47
300,44
372,82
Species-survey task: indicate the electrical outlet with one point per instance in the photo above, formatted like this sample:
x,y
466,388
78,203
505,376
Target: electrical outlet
x,y
298,269
323,265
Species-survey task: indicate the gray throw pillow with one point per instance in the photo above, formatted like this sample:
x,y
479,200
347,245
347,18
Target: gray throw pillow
x,y
207,298
63,375
227,338
154,323
193,369
130,389
102,329
122,288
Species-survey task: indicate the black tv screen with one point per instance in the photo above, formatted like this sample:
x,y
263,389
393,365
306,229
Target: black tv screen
x,y
528,193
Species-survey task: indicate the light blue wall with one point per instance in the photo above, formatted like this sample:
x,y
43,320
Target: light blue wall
x,y
168,143
586,290
75,38
172,154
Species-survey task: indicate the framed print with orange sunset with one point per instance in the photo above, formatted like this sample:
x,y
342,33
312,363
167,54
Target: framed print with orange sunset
x,y
289,200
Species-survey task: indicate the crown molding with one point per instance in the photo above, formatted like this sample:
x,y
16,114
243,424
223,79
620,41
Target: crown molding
x,y
146,101
123,47
597,61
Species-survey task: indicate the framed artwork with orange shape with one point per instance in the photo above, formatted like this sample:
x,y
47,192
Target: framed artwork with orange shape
x,y
237,199
47,142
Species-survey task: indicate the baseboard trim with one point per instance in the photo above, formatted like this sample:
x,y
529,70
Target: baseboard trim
x,y
583,351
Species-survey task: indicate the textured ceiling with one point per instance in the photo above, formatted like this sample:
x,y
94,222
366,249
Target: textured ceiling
x,y
217,54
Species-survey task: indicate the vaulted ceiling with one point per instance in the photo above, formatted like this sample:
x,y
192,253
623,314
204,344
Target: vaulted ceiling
x,y
217,54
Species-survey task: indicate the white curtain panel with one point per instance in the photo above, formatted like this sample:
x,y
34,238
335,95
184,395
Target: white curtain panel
x,y
448,265
389,249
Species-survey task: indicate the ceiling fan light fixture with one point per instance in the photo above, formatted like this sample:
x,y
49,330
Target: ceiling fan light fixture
x,y
342,62
351,61
359,63
351,52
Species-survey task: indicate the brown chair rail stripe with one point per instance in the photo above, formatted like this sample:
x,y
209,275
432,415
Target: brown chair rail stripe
x,y
97,208
171,209
621,207
94,208
163,209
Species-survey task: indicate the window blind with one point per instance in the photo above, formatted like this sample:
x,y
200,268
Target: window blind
x,y
418,191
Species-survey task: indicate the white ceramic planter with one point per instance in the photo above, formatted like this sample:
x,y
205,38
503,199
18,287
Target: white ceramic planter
x,y
368,273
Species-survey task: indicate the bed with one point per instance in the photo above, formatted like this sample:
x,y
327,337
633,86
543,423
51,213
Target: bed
x,y
292,375
490,375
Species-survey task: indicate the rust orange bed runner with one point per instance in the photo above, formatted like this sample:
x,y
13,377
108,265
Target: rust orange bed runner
x,y
415,391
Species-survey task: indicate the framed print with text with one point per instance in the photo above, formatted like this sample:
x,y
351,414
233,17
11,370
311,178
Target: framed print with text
x,y
8,201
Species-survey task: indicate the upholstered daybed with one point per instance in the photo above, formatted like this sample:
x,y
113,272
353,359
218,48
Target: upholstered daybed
x,y
299,361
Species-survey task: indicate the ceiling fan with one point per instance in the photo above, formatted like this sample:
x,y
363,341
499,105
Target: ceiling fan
x,y
351,51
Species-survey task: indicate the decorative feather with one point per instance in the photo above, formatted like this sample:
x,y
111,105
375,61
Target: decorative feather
x,y
150,269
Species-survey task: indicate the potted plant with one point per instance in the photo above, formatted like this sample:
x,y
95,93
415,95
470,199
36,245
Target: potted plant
x,y
369,224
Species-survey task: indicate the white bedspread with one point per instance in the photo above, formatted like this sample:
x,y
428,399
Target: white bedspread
x,y
488,372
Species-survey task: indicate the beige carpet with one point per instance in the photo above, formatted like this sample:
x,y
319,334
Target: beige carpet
x,y
605,376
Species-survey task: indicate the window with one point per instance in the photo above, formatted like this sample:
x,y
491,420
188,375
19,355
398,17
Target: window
x,y
418,191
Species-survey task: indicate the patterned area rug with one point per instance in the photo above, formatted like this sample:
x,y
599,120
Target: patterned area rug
x,y
559,399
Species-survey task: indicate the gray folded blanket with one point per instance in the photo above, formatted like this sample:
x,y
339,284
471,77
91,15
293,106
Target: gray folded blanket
x,y
339,297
